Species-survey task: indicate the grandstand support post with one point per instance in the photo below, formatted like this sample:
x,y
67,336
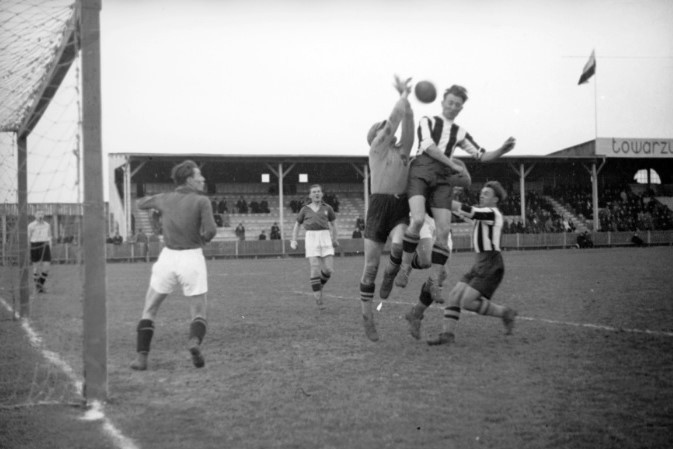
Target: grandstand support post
x,y
522,187
22,224
95,306
126,230
593,171
365,181
281,201
365,175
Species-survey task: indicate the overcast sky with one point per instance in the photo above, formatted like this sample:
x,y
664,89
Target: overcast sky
x,y
311,76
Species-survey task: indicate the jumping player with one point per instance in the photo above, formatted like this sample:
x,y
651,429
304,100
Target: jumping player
x,y
188,224
319,220
476,288
388,212
432,177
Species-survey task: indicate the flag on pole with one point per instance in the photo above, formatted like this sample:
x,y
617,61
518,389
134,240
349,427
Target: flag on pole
x,y
589,68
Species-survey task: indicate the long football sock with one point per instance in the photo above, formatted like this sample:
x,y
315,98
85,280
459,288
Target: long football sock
x,y
324,277
145,333
451,317
197,329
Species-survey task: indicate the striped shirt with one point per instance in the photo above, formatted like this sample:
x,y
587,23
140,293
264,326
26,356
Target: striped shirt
x,y
446,135
487,227
316,221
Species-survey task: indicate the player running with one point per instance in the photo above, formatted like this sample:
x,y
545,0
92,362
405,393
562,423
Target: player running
x,y
319,220
475,290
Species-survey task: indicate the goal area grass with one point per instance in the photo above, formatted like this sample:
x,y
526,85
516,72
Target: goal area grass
x,y
588,366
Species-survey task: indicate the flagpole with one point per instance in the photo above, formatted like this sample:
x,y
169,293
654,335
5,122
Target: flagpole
x,y
596,102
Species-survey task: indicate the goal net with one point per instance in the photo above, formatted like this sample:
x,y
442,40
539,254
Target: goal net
x,y
40,172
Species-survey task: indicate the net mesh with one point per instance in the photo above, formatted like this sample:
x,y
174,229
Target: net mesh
x,y
40,355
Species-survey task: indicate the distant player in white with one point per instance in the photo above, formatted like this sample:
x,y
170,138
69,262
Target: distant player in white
x,y
319,220
39,236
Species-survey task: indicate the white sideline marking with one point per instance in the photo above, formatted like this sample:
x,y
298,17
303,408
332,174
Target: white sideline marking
x,y
95,411
527,318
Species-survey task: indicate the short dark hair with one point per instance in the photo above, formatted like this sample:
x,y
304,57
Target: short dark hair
x,y
498,189
183,171
458,91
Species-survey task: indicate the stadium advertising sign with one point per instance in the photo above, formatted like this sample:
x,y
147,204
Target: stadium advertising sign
x,y
641,148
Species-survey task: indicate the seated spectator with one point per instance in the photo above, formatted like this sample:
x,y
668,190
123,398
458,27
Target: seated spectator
x,y
275,231
262,236
360,223
264,206
254,207
357,234
242,206
222,207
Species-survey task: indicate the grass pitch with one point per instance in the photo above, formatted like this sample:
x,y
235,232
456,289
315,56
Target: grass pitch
x,y
589,364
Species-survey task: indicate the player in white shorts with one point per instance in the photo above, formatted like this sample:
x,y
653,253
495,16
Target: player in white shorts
x,y
319,220
188,224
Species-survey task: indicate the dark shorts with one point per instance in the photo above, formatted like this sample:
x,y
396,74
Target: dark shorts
x,y
40,252
384,213
433,180
486,273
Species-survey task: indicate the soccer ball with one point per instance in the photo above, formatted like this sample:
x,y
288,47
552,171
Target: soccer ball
x,y
425,91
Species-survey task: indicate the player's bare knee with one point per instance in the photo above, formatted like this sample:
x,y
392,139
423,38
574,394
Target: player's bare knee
x,y
369,273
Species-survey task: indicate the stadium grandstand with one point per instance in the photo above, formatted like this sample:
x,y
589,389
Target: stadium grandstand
x,y
603,177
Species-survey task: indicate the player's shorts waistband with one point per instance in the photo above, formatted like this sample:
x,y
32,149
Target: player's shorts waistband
x,y
183,249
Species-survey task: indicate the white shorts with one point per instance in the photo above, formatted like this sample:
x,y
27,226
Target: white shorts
x,y
186,268
319,243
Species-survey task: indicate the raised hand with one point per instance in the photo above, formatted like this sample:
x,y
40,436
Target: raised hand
x,y
508,145
402,86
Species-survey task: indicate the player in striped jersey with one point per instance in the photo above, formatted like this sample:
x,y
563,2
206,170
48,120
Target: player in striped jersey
x,y
319,220
475,290
432,176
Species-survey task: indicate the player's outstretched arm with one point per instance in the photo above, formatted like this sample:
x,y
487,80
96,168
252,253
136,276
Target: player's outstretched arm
x,y
408,134
506,147
397,114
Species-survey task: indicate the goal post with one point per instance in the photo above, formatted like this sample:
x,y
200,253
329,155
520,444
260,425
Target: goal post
x,y
95,304
46,116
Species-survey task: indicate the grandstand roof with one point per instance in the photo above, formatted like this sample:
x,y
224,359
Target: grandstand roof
x,y
620,147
